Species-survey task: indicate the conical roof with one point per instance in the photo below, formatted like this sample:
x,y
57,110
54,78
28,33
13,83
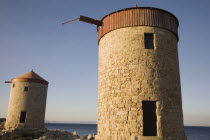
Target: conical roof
x,y
30,77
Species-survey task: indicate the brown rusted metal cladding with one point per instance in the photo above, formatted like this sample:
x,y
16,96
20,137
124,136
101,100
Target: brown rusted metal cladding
x,y
29,80
138,16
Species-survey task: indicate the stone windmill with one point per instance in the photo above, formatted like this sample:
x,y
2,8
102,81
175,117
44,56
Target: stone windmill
x,y
139,92
27,102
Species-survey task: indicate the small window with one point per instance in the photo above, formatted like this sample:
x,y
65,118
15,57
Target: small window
x,y
13,85
26,89
149,40
22,117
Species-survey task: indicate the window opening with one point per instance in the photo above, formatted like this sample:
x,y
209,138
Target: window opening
x,y
26,89
149,40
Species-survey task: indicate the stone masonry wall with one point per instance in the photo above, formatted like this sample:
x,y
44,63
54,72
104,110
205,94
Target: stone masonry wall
x,y
130,74
32,101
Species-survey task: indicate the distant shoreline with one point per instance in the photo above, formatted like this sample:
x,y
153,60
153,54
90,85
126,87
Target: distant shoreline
x,y
96,124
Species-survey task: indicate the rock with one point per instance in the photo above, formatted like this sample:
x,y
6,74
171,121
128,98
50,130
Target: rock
x,y
82,139
59,135
32,134
75,133
2,122
91,136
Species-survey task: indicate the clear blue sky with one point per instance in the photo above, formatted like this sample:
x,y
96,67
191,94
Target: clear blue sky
x,y
31,37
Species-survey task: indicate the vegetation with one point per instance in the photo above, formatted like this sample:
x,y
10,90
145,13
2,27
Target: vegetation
x,y
14,137
2,120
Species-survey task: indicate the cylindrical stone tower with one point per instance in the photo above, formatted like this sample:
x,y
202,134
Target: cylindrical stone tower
x,y
139,93
27,102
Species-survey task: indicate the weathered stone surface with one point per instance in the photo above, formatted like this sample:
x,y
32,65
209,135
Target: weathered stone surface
x,y
130,74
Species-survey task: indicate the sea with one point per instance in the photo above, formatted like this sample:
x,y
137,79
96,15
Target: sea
x,y
192,132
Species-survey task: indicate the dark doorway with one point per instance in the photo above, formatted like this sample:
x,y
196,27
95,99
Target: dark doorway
x,y
22,117
149,118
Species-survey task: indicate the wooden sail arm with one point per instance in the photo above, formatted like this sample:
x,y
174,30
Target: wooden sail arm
x,y
87,20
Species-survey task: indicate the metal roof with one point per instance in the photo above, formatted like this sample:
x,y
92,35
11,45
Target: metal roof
x,y
138,16
30,77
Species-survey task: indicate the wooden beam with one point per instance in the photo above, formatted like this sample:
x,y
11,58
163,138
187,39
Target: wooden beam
x,y
90,20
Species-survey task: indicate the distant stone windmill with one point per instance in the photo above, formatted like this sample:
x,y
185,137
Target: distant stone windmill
x,y
27,102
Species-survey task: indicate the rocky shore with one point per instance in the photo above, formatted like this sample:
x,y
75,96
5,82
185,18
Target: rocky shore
x,y
34,134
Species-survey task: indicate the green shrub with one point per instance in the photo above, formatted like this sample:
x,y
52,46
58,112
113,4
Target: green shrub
x,y
14,137
27,135
4,138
